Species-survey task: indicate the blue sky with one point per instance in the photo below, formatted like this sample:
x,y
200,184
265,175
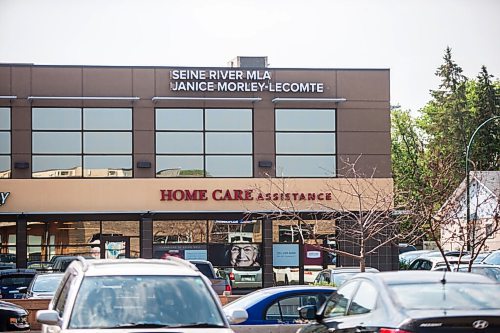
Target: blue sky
x,y
407,36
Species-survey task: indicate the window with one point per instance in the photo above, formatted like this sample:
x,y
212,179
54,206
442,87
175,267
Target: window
x,y
76,142
5,152
285,309
204,143
365,299
305,142
338,303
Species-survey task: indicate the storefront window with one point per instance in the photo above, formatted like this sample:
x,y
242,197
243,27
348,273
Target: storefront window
x,y
7,244
5,162
88,142
236,231
204,143
305,143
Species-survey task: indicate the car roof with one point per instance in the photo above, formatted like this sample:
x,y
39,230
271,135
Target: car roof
x,y
353,269
110,267
409,277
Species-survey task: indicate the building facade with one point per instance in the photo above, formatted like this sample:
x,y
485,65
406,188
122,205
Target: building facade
x,y
187,161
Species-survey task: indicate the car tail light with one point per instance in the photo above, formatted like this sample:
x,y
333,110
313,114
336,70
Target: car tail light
x,y
295,270
308,273
392,330
228,288
231,276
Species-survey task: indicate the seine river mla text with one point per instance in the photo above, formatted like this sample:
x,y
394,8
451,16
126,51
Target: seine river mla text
x,y
236,81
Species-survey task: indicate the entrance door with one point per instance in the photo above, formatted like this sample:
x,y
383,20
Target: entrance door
x,y
115,247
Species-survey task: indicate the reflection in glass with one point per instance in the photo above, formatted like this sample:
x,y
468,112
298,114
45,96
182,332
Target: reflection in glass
x,y
166,232
228,119
56,166
5,167
305,120
107,166
305,166
4,142
121,228
179,166
229,166
179,119
235,231
229,143
56,142
107,119
107,142
305,143
56,119
180,143
4,118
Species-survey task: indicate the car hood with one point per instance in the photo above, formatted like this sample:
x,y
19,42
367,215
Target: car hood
x,y
5,306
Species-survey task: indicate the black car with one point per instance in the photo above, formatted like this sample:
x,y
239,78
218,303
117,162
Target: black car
x,y
13,317
12,280
407,302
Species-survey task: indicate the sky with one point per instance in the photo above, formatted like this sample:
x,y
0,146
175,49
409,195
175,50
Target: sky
x,y
407,36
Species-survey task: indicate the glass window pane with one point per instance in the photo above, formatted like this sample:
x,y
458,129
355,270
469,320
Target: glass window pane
x,y
57,119
305,143
305,119
229,166
305,166
179,119
229,143
107,119
179,166
107,143
56,142
4,142
228,119
168,232
4,166
107,166
57,166
183,143
4,118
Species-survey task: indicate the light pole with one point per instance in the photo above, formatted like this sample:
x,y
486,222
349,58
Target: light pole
x,y
467,181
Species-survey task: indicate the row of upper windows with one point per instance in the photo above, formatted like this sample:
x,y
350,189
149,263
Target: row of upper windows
x,y
97,142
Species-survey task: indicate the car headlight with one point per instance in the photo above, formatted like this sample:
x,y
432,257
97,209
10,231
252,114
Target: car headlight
x,y
20,322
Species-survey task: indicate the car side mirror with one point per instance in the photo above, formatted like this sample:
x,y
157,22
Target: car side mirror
x,y
47,317
236,316
309,312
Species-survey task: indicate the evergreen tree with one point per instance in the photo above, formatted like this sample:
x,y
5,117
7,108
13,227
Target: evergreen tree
x,y
485,103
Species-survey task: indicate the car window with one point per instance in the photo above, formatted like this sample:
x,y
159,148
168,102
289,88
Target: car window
x,y
415,264
285,309
117,301
338,302
365,299
493,258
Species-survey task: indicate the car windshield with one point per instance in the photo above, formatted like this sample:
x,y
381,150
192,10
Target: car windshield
x,y
491,272
144,301
456,296
46,283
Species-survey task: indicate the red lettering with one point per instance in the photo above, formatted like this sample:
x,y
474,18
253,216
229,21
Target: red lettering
x,y
328,196
248,195
311,196
302,196
321,196
203,195
215,195
260,196
238,195
165,195
178,195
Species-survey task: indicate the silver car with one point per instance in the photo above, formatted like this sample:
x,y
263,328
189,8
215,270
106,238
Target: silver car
x,y
132,295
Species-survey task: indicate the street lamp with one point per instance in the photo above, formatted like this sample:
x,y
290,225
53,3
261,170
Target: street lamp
x,y
467,179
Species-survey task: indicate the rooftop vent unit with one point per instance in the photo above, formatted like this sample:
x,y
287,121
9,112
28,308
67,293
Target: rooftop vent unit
x,y
249,62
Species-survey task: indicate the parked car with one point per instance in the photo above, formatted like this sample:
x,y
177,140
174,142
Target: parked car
x,y
491,271
493,258
11,280
245,277
132,295
60,263
407,257
40,266
13,318
337,276
479,258
43,286
403,247
221,285
275,309
405,302
291,275
432,263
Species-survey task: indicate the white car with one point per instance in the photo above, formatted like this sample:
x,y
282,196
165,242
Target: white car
x,y
136,295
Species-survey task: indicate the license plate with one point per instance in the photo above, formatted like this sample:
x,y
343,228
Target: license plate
x,y
248,278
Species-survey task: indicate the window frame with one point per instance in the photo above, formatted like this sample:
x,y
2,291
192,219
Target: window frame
x,y
8,154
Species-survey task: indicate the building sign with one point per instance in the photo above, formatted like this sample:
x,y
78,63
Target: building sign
x,y
3,197
236,80
240,195
286,255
